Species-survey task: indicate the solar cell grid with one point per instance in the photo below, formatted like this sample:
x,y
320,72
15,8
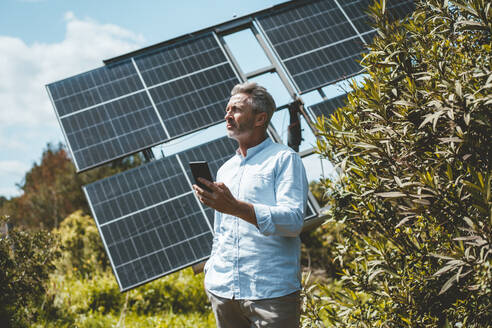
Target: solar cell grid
x,y
356,11
327,107
112,129
314,25
108,193
399,9
183,59
94,87
315,41
195,101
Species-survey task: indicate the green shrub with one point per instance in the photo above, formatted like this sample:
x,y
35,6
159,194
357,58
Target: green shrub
x,y
414,145
76,300
180,292
82,249
26,259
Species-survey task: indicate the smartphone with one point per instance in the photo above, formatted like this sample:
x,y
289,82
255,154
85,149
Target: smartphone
x,y
200,169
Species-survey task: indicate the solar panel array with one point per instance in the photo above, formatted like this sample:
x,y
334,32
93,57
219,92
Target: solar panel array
x,y
119,109
149,219
316,42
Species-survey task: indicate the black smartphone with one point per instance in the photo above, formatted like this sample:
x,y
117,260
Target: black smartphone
x,y
200,169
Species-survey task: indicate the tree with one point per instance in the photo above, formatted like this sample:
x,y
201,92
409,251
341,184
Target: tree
x,y
414,145
52,189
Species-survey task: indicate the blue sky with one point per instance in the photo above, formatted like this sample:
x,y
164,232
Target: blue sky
x,y
42,41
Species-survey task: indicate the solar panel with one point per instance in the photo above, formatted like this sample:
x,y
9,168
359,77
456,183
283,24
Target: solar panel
x,y
122,108
149,219
327,107
319,41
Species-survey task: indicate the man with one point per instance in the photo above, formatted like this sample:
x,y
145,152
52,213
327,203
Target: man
x,y
252,277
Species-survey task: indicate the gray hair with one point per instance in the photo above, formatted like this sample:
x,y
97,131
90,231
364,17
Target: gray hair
x,y
259,99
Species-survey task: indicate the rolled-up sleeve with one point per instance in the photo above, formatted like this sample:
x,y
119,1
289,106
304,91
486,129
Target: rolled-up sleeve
x,y
286,217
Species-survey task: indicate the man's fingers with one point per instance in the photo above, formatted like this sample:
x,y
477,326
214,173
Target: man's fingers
x,y
221,185
201,192
224,189
209,184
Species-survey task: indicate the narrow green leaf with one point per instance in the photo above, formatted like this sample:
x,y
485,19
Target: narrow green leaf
x,y
448,284
391,194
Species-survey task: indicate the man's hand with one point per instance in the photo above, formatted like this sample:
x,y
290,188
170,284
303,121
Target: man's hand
x,y
219,199
222,200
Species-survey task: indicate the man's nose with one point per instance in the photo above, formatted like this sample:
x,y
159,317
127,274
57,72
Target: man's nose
x,y
227,115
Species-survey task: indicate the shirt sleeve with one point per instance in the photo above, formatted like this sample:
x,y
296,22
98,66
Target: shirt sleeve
x,y
286,217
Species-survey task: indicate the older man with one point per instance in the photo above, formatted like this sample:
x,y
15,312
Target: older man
x,y
253,275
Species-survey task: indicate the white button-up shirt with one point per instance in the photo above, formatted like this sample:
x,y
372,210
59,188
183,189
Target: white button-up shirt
x,y
256,263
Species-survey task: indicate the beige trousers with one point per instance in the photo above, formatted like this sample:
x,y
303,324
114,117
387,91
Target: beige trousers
x,y
281,312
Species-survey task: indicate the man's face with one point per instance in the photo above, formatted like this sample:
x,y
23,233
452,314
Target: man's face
x,y
240,117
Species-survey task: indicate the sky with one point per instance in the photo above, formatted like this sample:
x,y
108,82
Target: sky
x,y
42,41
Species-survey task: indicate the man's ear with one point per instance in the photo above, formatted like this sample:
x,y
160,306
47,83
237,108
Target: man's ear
x,y
261,119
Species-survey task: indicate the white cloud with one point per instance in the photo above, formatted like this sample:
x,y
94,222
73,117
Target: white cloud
x,y
12,144
27,119
13,167
26,69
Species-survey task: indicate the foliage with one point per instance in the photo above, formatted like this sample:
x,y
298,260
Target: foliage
x,y
52,189
318,248
47,196
175,300
82,248
2,200
26,259
414,145
319,191
310,303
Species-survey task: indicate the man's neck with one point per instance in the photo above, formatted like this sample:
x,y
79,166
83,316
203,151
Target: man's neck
x,y
250,142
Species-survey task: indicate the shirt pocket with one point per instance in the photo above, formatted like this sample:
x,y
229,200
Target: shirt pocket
x,y
259,188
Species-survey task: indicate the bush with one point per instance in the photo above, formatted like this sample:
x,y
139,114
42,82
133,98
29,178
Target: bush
x,y
26,259
73,300
81,245
180,292
414,145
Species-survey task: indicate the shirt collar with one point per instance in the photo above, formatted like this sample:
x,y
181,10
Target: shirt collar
x,y
256,149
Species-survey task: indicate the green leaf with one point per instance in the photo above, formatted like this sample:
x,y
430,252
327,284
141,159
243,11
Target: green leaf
x,y
449,283
404,103
391,194
444,269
